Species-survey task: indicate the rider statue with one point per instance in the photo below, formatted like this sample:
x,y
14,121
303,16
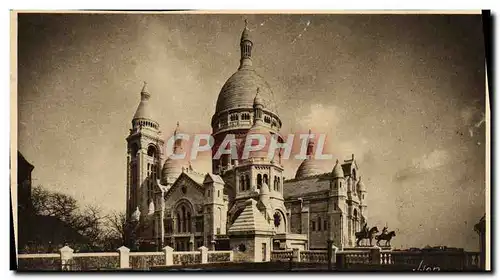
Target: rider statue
x,y
384,230
365,228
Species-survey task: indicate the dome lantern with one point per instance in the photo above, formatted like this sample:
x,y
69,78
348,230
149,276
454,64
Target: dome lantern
x,y
246,48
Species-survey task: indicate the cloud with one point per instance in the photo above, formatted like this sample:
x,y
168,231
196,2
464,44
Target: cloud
x,y
472,118
423,165
321,118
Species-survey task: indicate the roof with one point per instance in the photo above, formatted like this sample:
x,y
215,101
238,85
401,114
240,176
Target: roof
x,y
250,219
245,35
143,110
239,91
22,162
348,165
301,187
338,172
171,170
309,167
195,176
209,178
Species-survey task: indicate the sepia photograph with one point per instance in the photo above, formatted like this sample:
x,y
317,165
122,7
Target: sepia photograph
x,y
250,141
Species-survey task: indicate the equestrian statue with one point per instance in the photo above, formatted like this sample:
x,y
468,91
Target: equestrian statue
x,y
365,234
386,236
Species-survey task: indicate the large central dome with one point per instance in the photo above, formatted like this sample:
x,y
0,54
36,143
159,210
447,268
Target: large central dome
x,y
239,91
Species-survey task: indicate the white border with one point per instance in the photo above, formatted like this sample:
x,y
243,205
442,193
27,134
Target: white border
x,y
198,5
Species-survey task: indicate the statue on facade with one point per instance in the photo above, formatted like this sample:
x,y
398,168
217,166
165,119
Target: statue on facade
x,y
365,234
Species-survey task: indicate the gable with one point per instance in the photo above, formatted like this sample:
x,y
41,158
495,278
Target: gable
x,y
185,187
348,166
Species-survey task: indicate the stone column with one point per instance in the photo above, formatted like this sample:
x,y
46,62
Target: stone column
x,y
66,257
124,257
129,208
304,220
334,250
296,254
169,256
375,254
204,254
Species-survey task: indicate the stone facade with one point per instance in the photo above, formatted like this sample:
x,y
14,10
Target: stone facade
x,y
243,203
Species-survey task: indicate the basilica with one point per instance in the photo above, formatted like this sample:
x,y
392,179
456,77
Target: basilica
x,y
244,204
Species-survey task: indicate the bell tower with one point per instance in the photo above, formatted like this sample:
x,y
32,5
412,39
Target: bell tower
x,y
144,156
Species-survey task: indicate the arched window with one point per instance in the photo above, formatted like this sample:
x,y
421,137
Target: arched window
x,y
242,183
266,180
279,222
247,182
259,181
152,151
355,214
245,116
188,224
275,184
319,223
178,222
267,119
234,117
183,219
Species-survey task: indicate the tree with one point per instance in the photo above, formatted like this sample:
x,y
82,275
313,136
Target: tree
x,y
58,220
53,204
122,231
115,231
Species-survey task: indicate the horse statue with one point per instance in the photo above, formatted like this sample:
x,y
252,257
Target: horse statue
x,y
365,234
386,237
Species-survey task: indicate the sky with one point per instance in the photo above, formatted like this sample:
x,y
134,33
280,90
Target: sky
x,y
404,93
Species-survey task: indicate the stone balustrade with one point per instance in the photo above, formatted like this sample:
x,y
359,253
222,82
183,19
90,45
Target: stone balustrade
x,y
356,257
314,256
67,260
124,259
282,255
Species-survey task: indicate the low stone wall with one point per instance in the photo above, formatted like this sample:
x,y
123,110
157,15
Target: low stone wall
x,y
367,258
66,260
373,259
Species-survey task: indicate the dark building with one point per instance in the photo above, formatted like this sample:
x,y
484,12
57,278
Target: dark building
x,y
24,169
24,203
480,228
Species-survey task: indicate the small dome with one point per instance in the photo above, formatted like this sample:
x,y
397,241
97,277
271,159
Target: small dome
x,y
337,171
245,35
239,92
143,110
258,100
307,168
172,169
360,186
